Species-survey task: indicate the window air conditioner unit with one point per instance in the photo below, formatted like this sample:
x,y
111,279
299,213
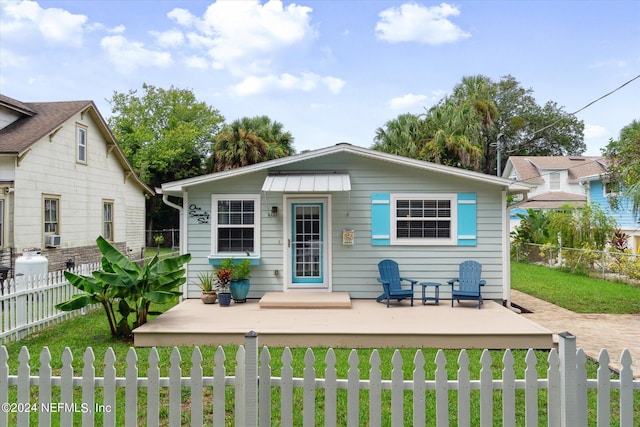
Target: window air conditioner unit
x,y
52,241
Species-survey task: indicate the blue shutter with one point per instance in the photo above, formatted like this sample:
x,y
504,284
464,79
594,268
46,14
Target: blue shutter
x,y
380,219
467,219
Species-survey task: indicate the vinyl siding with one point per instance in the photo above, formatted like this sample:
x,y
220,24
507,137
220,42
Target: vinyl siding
x,y
354,268
623,216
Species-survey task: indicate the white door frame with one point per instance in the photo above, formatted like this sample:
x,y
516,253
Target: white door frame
x,y
288,201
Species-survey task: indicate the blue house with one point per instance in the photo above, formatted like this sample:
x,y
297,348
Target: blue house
x,y
599,193
322,220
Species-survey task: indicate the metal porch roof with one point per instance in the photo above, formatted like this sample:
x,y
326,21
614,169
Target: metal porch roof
x,y
307,182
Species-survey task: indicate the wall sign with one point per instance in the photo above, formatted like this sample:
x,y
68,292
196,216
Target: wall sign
x,y
201,216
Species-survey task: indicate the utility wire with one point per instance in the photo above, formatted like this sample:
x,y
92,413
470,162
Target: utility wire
x,y
589,104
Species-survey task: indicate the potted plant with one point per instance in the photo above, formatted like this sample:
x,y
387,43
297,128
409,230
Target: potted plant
x,y
207,282
223,276
240,273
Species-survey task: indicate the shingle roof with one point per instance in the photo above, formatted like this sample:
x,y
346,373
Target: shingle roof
x,y
552,200
45,117
529,168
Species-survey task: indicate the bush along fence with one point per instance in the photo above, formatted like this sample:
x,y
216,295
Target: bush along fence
x,y
611,263
28,302
254,396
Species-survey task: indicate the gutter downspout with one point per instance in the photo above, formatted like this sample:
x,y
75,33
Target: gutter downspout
x,y
180,209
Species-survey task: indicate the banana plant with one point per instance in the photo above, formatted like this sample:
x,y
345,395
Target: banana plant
x,y
123,287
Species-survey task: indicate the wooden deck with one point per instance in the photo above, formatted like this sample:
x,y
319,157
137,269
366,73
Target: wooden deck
x,y
367,324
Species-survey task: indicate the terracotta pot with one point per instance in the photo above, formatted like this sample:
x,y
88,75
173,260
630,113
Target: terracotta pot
x,y
209,297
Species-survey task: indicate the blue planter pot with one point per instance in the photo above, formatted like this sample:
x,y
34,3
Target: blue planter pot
x,y
239,290
224,299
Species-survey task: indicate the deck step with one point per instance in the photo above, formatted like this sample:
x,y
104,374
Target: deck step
x,y
305,300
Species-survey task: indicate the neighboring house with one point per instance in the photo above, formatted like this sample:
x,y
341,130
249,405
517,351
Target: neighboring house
x,y
599,192
322,220
63,182
555,181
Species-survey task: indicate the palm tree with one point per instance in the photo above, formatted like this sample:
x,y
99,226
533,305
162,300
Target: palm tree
x,y
403,136
479,93
453,131
247,141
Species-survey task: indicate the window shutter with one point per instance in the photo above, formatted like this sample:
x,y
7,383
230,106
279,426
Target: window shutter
x,y
380,219
467,219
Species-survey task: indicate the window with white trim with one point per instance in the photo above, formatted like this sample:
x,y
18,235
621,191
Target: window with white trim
x,y
107,220
554,181
236,224
51,215
81,133
423,219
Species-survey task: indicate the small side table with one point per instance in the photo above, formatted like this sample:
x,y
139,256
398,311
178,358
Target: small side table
x,y
435,298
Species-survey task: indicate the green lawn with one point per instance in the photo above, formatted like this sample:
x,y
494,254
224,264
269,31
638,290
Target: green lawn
x,y
91,330
580,294
555,286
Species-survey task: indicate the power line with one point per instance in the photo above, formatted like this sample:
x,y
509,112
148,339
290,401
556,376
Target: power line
x,y
589,104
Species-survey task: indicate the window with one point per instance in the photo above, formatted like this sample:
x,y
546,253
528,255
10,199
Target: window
x,y
236,227
51,215
82,144
418,219
610,188
107,220
554,181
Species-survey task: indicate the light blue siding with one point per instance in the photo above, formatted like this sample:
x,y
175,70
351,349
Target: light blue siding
x,y
353,268
623,215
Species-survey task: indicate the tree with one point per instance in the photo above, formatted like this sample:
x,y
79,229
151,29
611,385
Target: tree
x,y
529,129
166,135
463,128
624,167
402,136
247,141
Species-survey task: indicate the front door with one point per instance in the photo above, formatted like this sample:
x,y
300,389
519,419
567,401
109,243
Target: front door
x,y
307,243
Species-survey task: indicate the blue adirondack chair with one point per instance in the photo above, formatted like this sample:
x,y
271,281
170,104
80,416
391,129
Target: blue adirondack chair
x,y
469,283
392,282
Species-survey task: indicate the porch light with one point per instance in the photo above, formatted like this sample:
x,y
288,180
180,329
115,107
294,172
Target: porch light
x,y
274,211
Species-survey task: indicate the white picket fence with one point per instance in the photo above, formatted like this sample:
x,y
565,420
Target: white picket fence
x,y
39,398
27,304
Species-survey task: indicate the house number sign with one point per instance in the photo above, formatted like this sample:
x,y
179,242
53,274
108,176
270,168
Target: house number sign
x,y
201,216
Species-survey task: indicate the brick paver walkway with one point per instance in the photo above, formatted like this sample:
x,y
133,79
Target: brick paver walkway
x,y
593,332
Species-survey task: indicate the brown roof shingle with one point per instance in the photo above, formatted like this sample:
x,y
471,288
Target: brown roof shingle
x,y
45,118
528,168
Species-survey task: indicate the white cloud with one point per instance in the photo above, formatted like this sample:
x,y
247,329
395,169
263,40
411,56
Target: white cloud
x,y
195,61
407,101
305,82
242,33
171,38
595,131
55,26
415,23
127,55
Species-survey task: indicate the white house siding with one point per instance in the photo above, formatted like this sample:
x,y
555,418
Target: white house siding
x,y
354,268
50,168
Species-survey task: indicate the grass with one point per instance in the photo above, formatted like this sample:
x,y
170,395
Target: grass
x,y
91,330
580,294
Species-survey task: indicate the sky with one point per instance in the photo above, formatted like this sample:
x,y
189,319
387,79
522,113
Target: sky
x,y
330,71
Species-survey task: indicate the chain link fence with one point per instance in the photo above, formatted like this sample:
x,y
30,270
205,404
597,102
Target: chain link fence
x,y
609,264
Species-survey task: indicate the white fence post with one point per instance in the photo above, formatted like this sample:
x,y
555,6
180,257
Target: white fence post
x,y
251,378
568,377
